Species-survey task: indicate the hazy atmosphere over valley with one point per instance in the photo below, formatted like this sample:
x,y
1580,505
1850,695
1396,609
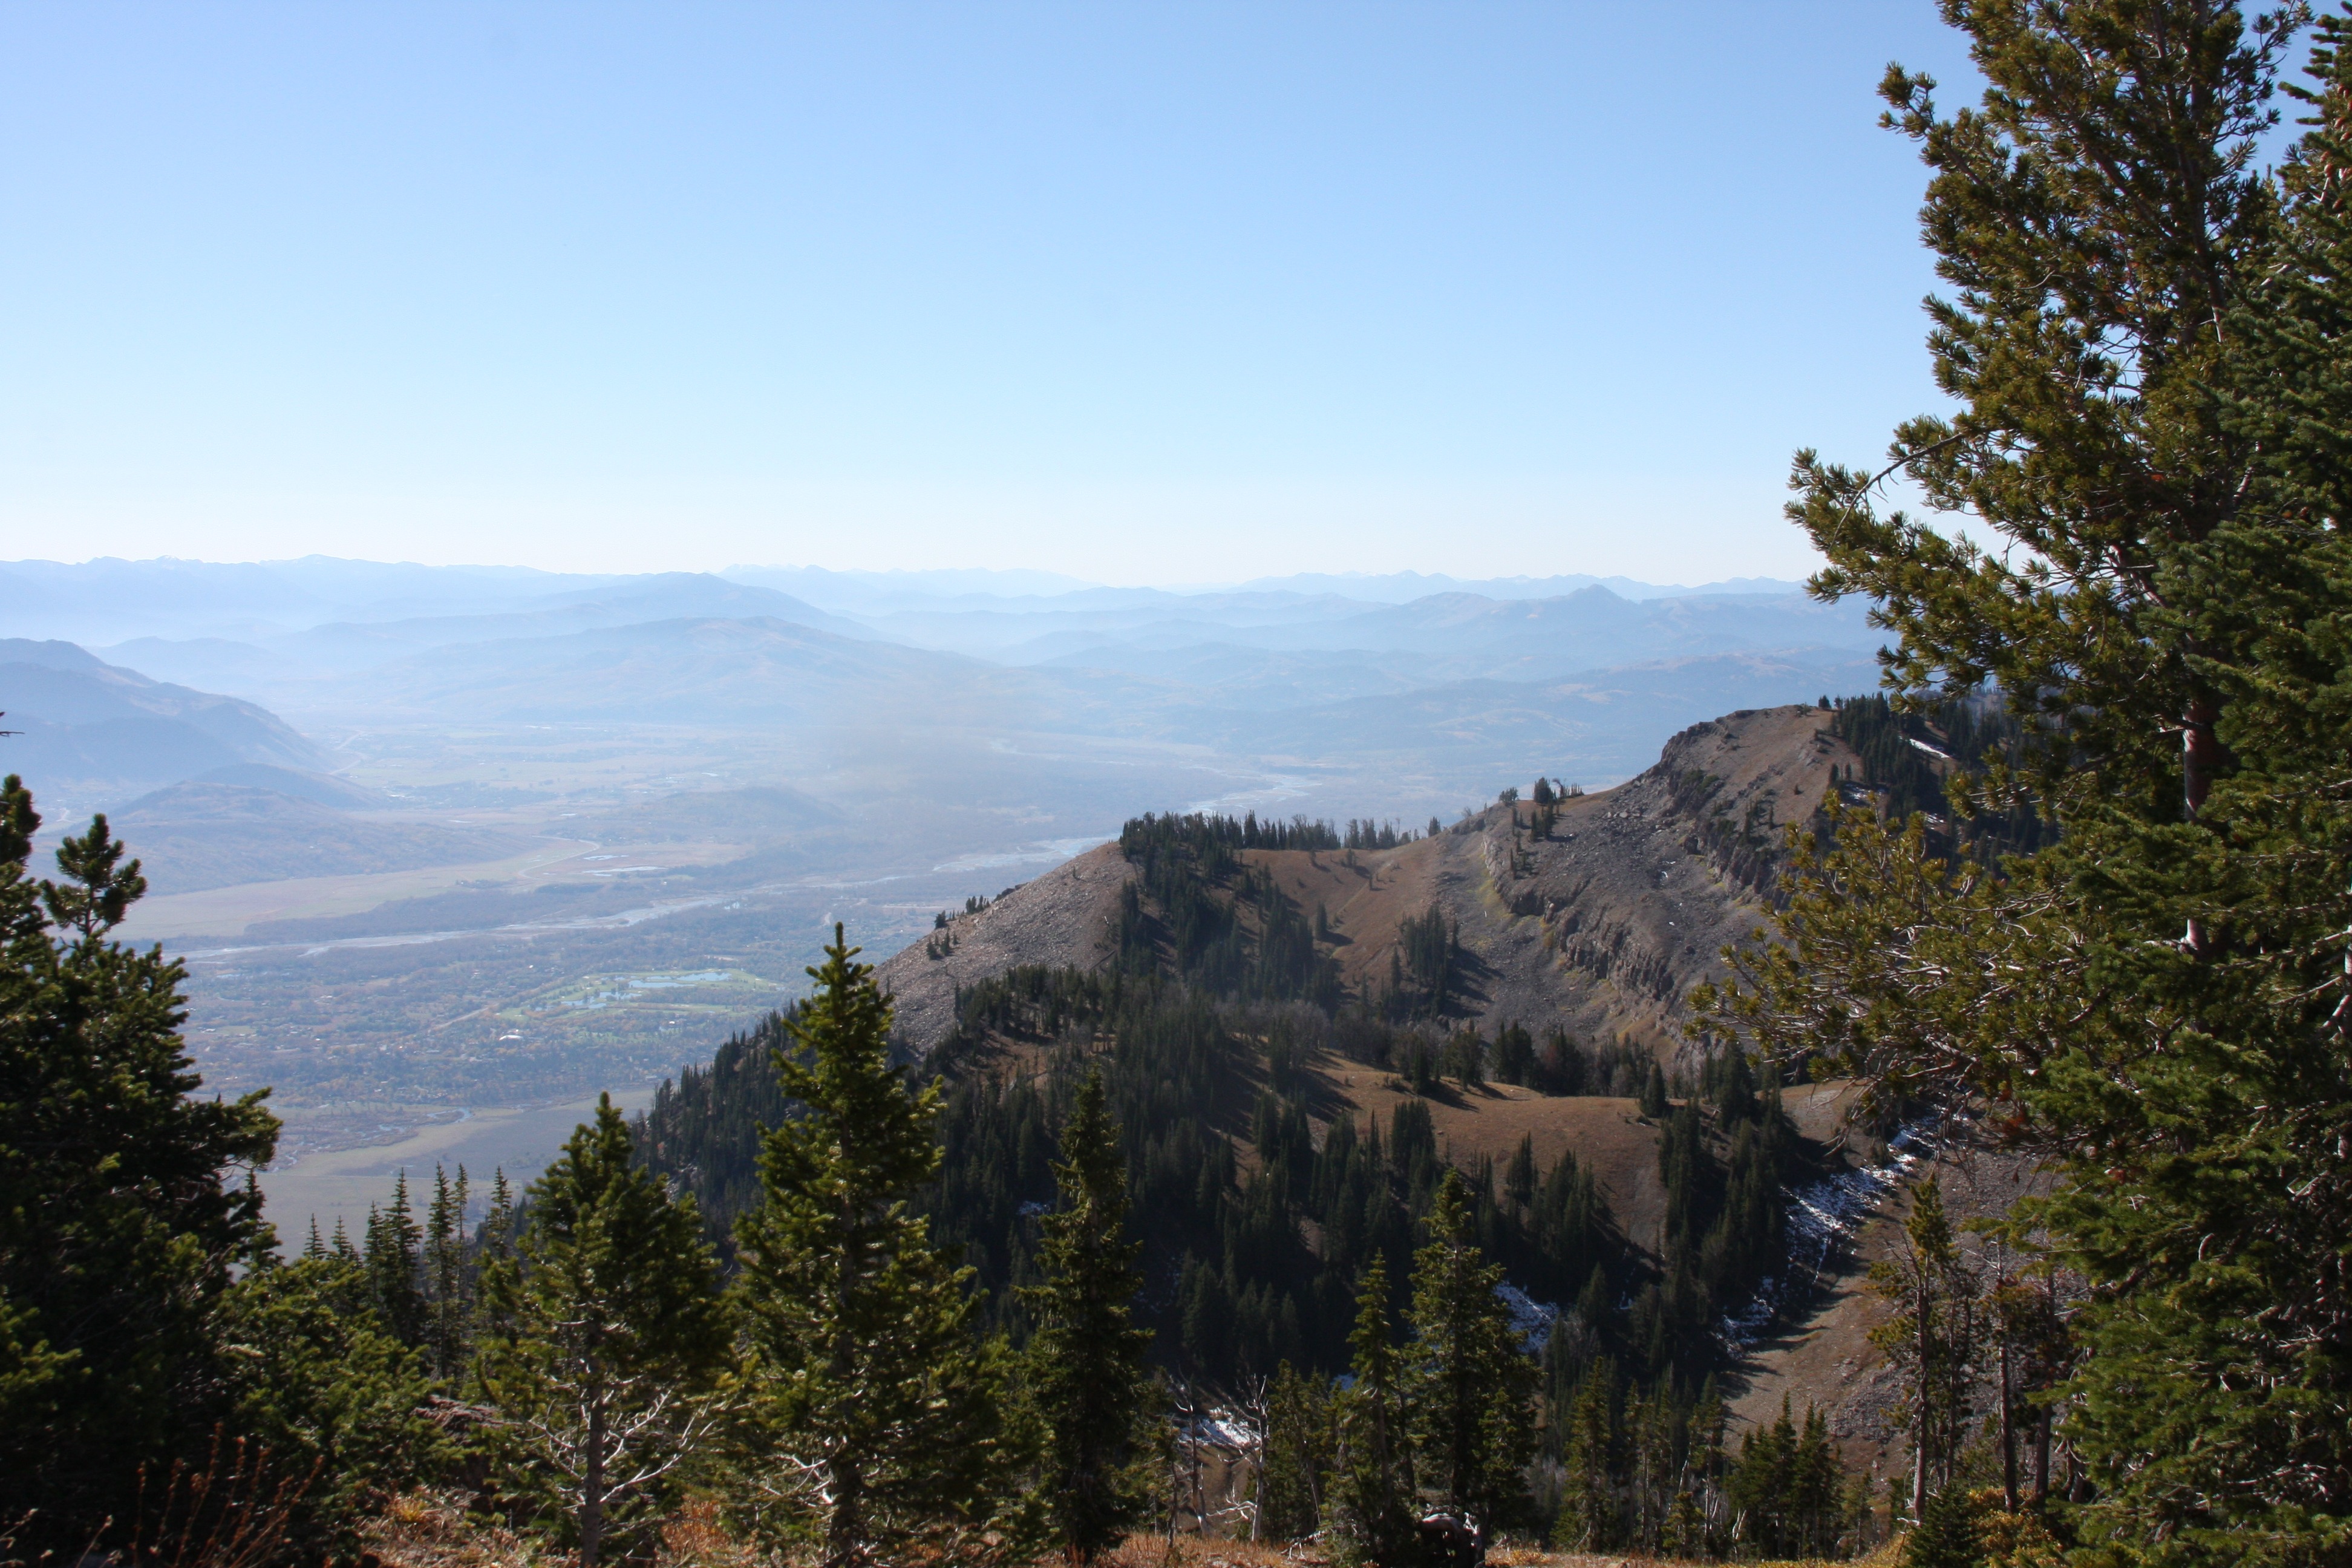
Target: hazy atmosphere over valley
x,y
450,845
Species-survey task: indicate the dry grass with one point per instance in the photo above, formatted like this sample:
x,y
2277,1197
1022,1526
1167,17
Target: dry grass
x,y
1153,1551
695,1538
432,1530
429,1530
1191,1551
1534,1557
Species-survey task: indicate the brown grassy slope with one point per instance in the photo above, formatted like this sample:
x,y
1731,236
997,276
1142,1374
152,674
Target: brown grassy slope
x,y
1608,1135
1605,927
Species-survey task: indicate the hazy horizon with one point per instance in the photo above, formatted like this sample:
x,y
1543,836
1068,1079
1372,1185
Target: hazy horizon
x,y
1007,579
1145,297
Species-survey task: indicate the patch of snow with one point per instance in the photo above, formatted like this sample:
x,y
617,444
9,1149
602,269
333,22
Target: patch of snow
x,y
1530,1319
1223,1429
1821,1216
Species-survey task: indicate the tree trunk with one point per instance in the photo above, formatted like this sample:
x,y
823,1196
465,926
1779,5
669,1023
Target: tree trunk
x,y
2008,1435
2200,760
591,1485
1921,1438
844,1533
2200,753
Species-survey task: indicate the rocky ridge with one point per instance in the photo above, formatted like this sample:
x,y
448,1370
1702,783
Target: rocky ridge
x,y
1604,925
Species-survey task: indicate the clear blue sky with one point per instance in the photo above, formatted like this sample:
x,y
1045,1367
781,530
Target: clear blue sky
x,y
1144,292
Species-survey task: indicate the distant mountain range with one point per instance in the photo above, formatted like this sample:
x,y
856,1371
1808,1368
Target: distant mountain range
x,y
110,600
312,636
106,601
90,722
988,694
1402,587
271,663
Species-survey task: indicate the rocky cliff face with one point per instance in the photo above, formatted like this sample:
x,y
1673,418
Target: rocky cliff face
x,y
1065,917
1608,923
1603,925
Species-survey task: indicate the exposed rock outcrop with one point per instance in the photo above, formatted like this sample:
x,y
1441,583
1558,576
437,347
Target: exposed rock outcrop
x,y
1604,925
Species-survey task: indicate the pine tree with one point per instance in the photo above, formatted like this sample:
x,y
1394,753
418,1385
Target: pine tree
x,y
1468,1386
1655,1478
1932,1336
1297,1457
124,1212
1812,1506
1519,1180
494,1308
1687,1527
2147,340
1515,1054
448,1286
1374,1489
878,1414
2099,216
1861,1513
2212,1420
1464,1055
1588,1509
1654,1103
1760,1486
316,1380
394,1251
1948,1535
1086,1370
606,1381
1706,1466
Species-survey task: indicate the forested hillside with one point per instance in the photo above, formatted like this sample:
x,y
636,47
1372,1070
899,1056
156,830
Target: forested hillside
x,y
1287,1117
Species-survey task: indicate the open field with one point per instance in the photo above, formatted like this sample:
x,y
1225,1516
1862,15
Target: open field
x,y
340,1184
228,911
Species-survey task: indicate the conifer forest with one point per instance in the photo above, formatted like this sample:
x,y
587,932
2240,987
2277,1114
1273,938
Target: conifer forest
x,y
1180,1254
